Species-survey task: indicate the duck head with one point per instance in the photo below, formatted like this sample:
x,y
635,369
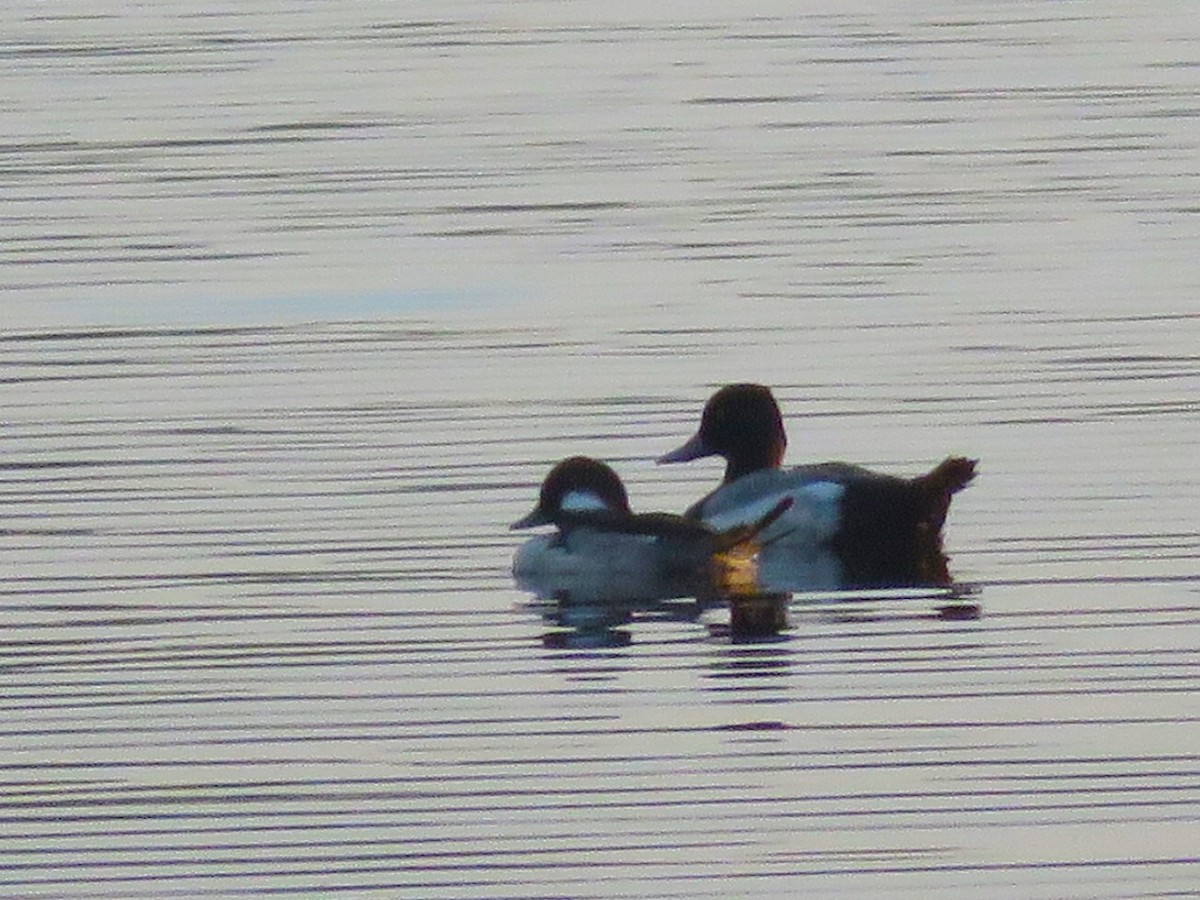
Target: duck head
x,y
742,423
578,484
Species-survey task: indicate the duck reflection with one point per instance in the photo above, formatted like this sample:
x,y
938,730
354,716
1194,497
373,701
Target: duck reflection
x,y
590,624
604,565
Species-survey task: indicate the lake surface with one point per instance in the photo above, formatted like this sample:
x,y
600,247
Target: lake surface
x,y
300,304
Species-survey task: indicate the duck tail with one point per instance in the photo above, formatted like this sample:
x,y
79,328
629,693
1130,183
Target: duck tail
x,y
946,479
950,476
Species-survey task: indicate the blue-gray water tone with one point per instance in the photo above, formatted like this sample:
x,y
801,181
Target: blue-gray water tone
x,y
301,301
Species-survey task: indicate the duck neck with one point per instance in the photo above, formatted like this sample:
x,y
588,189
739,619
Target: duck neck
x,y
752,459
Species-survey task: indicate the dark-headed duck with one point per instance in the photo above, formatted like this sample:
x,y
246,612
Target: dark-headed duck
x,y
886,529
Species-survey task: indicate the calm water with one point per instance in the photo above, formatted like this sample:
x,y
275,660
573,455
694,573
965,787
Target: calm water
x,y
300,304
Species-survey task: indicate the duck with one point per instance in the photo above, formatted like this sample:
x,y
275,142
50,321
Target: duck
x,y
885,529
603,550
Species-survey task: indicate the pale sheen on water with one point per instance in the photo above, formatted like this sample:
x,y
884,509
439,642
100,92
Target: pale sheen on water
x,y
301,301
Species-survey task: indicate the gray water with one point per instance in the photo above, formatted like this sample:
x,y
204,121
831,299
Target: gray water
x,y
301,301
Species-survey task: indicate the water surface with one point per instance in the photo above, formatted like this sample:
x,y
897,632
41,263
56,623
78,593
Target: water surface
x,y
300,305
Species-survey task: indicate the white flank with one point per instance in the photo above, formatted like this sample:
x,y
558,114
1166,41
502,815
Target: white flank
x,y
581,501
812,516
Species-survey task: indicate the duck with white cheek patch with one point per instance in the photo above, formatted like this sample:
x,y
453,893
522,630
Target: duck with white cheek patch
x,y
601,549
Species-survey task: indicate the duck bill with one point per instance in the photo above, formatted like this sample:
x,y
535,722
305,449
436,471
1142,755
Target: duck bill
x,y
535,518
693,449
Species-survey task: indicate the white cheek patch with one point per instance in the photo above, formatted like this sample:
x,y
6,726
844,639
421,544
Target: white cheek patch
x,y
581,501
